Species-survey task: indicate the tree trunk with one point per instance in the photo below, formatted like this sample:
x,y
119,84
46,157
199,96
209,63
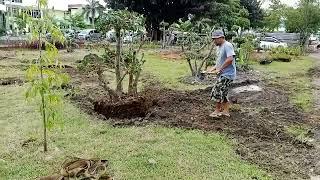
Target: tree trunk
x,y
112,94
43,102
137,76
164,38
130,86
118,62
205,60
190,66
195,64
93,18
131,74
155,35
135,83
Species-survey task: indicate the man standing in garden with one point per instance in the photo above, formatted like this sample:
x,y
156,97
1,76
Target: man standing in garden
x,y
225,69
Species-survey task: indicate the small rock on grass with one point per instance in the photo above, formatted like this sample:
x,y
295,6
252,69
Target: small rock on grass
x,y
316,169
152,161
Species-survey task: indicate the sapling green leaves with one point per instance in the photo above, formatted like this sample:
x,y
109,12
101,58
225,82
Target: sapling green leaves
x,y
45,77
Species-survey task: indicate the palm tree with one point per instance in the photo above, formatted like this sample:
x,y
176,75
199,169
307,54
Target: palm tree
x,y
92,9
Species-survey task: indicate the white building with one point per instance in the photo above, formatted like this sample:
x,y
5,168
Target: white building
x,y
13,7
77,9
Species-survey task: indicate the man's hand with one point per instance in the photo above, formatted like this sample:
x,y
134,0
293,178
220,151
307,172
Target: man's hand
x,y
217,71
211,69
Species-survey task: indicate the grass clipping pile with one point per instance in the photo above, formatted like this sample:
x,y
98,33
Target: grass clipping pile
x,y
77,168
258,124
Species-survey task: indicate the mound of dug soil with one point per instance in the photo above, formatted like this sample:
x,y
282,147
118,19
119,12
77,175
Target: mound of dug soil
x,y
10,81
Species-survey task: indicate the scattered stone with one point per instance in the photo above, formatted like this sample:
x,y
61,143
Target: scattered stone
x,y
249,88
315,178
152,161
27,142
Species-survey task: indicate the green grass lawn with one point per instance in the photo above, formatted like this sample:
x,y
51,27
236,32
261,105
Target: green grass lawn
x,y
293,77
168,72
176,153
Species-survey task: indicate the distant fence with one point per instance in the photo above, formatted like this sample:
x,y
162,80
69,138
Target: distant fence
x,y
290,38
16,42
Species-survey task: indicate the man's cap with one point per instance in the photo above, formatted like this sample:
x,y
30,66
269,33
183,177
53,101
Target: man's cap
x,y
217,34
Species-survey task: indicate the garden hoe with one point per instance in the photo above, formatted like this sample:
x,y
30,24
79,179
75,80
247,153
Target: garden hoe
x,y
203,74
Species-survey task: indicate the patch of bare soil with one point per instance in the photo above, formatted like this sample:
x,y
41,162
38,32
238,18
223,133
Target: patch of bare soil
x,y
257,124
315,71
171,55
244,78
11,81
7,54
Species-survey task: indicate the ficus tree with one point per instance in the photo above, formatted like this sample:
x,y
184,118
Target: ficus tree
x,y
44,75
197,37
164,29
132,64
186,28
121,21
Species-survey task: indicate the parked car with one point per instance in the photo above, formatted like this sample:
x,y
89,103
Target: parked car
x,y
271,42
128,38
69,33
88,34
111,36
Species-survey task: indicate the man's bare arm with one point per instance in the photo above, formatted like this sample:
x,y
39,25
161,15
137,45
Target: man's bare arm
x,y
227,63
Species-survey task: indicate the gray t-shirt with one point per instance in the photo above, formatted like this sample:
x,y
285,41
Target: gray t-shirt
x,y
223,52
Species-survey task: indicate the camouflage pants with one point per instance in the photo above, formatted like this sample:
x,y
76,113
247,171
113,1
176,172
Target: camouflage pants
x,y
220,90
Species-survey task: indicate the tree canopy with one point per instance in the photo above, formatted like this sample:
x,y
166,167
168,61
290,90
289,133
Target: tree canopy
x,y
274,15
255,12
222,13
305,19
157,11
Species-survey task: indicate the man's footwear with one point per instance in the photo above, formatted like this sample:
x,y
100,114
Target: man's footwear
x,y
215,115
225,114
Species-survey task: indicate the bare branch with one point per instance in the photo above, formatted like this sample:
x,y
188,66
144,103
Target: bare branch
x,y
205,59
